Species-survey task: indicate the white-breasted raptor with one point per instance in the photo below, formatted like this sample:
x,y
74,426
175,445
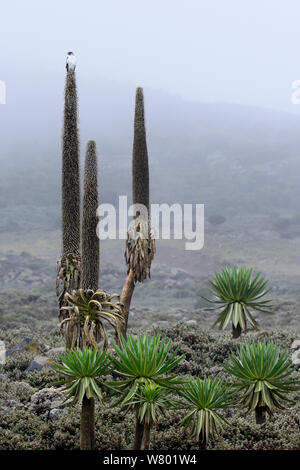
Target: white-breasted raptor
x,y
71,61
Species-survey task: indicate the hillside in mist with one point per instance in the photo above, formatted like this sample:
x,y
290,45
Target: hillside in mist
x,y
242,162
235,159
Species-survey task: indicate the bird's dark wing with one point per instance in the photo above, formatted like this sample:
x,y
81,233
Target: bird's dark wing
x,y
67,67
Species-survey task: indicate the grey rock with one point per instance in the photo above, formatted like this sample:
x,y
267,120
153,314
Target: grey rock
x,y
33,366
20,347
8,405
3,377
191,322
55,414
25,386
55,351
47,399
38,363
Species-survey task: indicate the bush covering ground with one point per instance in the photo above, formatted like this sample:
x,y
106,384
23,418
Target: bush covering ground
x,y
21,427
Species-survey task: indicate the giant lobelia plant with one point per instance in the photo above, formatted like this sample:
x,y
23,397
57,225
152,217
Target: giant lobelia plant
x,y
83,371
262,378
149,403
203,400
237,292
141,362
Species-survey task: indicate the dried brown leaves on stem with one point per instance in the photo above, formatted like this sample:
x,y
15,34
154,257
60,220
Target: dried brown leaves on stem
x,y
89,311
68,279
139,250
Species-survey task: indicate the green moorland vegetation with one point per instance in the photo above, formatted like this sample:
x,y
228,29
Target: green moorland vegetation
x,y
206,353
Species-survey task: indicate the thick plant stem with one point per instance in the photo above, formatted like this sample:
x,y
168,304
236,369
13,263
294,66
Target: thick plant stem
x,y
126,296
236,331
260,415
145,445
138,436
202,445
87,424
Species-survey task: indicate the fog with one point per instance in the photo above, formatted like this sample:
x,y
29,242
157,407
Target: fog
x,y
217,76
243,52
201,51
221,128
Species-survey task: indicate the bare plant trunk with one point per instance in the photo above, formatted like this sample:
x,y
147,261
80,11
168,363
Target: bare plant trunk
x,y
146,437
202,445
260,415
87,424
126,296
139,429
236,331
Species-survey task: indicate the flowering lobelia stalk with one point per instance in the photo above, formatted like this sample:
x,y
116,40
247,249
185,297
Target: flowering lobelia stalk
x,y
140,244
69,266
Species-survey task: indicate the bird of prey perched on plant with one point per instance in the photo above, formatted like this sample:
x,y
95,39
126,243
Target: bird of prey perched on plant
x,y
71,61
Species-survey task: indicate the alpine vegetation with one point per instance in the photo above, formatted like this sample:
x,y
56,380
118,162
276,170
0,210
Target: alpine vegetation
x,y
69,266
140,244
236,294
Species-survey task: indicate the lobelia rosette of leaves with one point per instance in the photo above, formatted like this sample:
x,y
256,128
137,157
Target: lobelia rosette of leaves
x,y
203,399
141,361
82,369
236,294
262,375
150,402
140,364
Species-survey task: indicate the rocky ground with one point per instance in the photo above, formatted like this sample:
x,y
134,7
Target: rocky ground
x,y
173,293
33,414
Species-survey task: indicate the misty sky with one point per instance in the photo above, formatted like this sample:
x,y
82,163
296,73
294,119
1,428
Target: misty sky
x,y
207,50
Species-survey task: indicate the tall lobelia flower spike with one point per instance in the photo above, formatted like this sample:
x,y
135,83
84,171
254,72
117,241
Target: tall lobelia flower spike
x,y
140,243
69,266
90,240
